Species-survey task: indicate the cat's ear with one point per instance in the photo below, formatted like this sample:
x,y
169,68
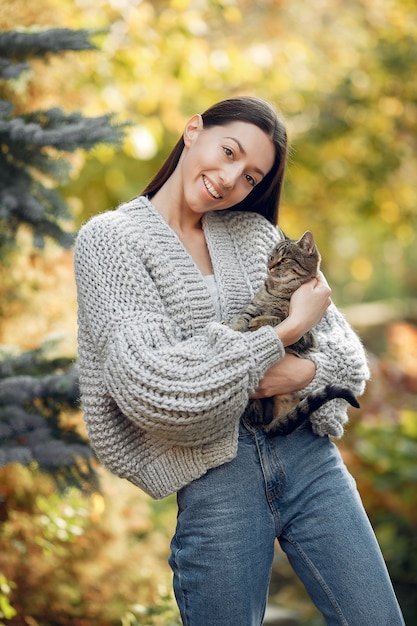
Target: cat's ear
x,y
282,234
307,243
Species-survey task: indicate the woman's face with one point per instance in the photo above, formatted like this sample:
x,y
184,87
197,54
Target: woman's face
x,y
221,165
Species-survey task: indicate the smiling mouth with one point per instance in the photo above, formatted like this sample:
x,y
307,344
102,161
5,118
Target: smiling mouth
x,y
211,189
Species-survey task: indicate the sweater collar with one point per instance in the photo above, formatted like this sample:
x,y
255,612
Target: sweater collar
x,y
225,250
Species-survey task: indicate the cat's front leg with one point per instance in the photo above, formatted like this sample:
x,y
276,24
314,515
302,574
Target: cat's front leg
x,y
263,320
241,325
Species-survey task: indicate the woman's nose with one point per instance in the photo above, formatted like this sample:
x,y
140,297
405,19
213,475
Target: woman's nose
x,y
230,174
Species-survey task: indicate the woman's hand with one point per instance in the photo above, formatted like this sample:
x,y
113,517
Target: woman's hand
x,y
308,305
290,374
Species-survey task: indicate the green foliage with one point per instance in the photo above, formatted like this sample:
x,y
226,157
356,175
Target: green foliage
x,y
75,557
163,613
6,609
24,45
45,535
31,143
34,424
343,75
386,456
34,402
380,449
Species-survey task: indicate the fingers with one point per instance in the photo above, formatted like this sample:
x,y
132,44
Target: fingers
x,y
310,301
321,282
321,285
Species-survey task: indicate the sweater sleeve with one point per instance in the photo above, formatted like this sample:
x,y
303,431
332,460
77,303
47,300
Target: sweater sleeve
x,y
341,359
185,389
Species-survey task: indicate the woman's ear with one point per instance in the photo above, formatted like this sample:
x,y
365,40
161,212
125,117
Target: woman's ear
x,y
192,129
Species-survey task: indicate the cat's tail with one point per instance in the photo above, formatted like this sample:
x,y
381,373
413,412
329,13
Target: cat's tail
x,y
301,413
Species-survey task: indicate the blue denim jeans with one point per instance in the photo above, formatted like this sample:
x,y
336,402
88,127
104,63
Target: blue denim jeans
x,y
293,488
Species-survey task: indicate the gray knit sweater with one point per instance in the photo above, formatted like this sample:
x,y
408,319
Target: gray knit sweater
x,y
163,382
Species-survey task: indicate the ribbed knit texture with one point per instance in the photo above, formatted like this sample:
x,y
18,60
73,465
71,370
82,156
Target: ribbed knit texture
x,y
163,383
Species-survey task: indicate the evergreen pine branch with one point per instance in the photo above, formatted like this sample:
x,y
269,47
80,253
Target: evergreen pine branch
x,y
65,132
12,71
18,206
18,46
31,429
33,362
61,387
34,394
21,45
6,108
32,145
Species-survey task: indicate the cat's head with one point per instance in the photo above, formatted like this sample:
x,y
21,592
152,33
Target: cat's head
x,y
299,257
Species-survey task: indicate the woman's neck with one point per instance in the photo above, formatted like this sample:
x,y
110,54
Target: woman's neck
x,y
169,202
186,225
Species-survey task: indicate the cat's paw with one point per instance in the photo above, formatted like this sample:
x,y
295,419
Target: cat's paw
x,y
263,320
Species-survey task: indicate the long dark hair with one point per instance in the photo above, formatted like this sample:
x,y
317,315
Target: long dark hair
x,y
265,197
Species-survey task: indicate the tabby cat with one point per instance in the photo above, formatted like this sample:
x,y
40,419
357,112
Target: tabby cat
x,y
291,263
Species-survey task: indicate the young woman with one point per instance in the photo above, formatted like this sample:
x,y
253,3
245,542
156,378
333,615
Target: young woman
x,y
164,382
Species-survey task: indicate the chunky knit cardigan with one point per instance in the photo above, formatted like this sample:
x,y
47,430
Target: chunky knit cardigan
x,y
163,382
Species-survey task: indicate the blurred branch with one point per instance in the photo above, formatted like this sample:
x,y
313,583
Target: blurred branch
x,y
370,314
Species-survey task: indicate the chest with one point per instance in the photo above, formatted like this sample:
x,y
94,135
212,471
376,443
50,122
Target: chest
x,y
176,270
196,246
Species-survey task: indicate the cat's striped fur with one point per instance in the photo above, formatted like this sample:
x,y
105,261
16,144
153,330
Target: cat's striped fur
x,y
291,263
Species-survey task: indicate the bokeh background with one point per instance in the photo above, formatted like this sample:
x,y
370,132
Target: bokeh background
x,y
84,548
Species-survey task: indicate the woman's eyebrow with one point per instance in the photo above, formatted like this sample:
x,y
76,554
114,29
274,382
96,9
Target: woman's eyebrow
x,y
242,150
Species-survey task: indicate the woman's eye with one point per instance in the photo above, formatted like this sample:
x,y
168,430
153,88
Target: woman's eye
x,y
251,180
228,152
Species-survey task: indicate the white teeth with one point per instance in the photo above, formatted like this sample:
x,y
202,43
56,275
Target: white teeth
x,y
211,189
